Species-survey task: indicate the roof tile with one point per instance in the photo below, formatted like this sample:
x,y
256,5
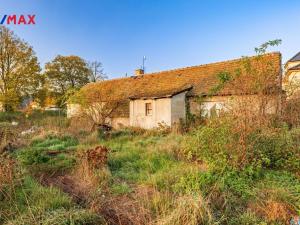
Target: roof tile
x,y
202,78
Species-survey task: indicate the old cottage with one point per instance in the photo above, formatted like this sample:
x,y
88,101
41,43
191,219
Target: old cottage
x,y
166,97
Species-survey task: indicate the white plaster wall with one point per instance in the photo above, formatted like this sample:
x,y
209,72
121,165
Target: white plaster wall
x,y
209,104
226,103
178,108
209,107
161,113
292,85
294,76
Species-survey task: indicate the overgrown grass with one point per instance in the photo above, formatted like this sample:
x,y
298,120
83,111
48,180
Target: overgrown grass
x,y
52,154
193,178
32,203
236,196
142,160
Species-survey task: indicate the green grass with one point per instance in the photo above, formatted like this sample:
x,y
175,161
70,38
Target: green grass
x,y
143,160
154,161
120,189
183,189
39,156
31,203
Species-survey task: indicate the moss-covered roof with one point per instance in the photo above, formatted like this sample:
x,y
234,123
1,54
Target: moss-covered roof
x,y
200,78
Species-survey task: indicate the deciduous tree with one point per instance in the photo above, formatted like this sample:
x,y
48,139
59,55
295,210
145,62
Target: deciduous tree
x,y
19,69
97,72
66,73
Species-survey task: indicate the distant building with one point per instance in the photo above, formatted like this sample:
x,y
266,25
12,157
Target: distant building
x,y
291,81
166,97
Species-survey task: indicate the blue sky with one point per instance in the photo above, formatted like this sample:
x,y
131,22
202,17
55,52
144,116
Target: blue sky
x,y
170,33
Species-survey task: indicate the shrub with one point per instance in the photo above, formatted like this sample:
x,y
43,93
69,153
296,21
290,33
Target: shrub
x,y
213,144
278,149
96,157
219,146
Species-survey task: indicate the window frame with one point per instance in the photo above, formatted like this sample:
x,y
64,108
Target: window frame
x,y
148,110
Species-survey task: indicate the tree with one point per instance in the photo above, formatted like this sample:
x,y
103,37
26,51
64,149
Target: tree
x,y
97,106
97,72
19,69
65,74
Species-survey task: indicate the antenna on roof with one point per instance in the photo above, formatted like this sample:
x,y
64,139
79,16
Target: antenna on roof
x,y
143,66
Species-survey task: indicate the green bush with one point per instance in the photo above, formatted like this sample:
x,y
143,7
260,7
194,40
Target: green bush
x,y
277,149
217,145
212,144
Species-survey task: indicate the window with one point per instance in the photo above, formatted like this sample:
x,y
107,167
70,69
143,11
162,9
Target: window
x,y
148,109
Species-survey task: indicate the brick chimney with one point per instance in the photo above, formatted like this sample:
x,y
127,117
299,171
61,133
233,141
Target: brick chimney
x,y
139,72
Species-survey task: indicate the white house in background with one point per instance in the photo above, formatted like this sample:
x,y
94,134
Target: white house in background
x,y
166,97
149,112
291,81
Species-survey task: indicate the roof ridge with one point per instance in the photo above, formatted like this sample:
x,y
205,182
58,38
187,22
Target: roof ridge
x,y
213,63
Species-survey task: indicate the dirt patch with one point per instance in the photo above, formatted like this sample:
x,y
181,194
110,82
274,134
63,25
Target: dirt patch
x,y
67,184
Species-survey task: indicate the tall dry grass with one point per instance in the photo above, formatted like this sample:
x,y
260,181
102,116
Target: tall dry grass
x,y
7,174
